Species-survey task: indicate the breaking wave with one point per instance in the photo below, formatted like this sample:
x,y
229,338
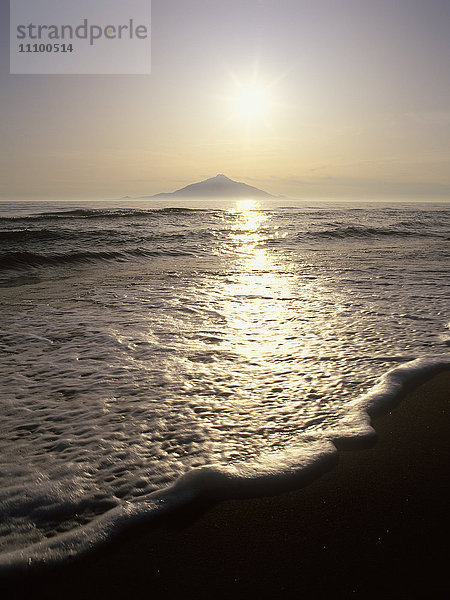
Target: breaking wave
x,y
24,260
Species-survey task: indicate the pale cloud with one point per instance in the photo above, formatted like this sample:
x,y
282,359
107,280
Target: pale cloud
x,y
437,117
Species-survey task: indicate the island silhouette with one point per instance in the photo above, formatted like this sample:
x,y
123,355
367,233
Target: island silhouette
x,y
219,186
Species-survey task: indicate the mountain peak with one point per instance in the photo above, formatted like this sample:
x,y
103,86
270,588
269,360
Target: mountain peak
x,y
219,186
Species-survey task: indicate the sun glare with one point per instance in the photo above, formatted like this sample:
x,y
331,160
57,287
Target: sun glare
x,y
245,206
250,102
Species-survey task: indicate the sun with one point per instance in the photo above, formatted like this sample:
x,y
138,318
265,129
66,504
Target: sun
x,y
250,102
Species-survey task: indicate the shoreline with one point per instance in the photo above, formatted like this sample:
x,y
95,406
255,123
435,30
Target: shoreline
x,y
374,526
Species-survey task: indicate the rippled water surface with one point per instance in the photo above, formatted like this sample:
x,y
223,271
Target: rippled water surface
x,y
139,343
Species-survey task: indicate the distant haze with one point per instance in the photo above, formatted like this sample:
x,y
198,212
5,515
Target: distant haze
x,y
323,99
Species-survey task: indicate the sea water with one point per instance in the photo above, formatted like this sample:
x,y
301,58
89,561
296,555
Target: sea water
x,y
149,351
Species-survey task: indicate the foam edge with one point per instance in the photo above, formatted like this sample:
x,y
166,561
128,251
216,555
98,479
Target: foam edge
x,y
275,473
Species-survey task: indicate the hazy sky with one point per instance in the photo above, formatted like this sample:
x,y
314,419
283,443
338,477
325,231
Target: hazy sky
x,y
317,98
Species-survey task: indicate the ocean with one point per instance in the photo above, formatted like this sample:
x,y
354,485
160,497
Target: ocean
x,y
152,351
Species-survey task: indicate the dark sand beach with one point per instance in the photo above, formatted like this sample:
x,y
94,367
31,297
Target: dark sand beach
x,y
375,526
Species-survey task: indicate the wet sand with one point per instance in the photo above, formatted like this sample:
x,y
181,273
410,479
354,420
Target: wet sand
x,y
375,526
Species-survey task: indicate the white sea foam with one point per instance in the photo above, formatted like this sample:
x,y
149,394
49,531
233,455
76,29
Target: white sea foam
x,y
272,473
